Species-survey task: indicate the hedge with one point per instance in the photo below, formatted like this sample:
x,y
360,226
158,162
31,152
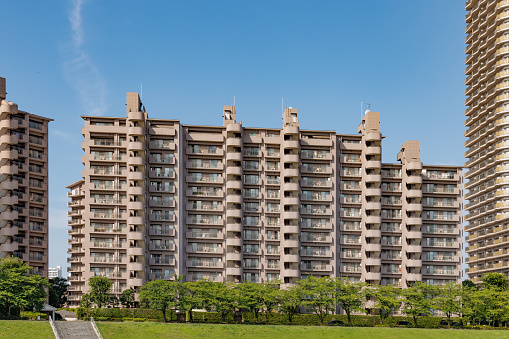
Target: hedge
x,y
33,315
140,315
111,314
312,319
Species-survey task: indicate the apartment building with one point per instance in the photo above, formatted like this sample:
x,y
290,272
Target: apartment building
x,y
23,185
487,121
234,203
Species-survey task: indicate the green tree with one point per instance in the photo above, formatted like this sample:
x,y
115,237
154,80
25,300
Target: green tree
x,y
350,296
447,300
193,295
222,297
86,301
468,283
387,299
18,289
99,290
290,300
271,293
496,281
127,298
250,296
319,295
495,301
58,291
418,300
160,295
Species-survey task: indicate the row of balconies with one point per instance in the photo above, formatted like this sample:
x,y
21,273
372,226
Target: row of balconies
x,y
487,255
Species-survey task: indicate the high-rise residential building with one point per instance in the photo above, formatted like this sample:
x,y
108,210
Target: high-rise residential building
x,y
55,272
234,203
23,185
487,121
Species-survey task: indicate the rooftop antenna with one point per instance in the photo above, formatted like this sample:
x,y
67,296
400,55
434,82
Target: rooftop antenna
x,y
141,91
234,100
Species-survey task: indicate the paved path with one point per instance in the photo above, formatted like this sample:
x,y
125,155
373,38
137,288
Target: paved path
x,y
75,330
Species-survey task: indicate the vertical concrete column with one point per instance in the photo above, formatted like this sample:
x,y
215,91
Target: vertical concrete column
x,y
290,270
411,213
234,198
371,197
136,192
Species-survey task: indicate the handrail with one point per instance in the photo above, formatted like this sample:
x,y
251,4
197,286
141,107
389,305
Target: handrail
x,y
53,327
96,330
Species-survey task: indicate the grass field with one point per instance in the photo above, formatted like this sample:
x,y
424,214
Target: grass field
x,y
17,329
205,331
42,329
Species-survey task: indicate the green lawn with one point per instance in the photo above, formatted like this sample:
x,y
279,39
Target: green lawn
x,y
205,331
18,329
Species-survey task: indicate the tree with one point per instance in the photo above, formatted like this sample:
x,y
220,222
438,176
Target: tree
x,y
496,281
468,283
99,289
18,289
319,294
350,296
290,300
387,299
270,296
159,295
447,300
195,295
58,291
86,300
250,296
418,300
221,297
127,298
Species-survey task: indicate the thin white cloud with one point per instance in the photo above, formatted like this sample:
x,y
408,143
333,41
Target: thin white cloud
x,y
80,71
75,19
62,134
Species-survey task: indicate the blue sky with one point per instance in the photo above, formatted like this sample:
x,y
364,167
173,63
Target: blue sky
x,y
64,59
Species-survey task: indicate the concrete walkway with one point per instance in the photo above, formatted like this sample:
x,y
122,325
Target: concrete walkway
x,y
75,330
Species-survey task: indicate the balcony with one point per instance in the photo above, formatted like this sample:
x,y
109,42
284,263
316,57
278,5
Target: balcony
x,y
162,246
204,235
205,250
316,267
204,264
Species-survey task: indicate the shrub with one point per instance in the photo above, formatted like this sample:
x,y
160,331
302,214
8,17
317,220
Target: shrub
x,y
118,313
33,315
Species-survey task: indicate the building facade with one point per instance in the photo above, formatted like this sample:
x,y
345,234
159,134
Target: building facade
x,y
234,203
55,272
487,121
23,185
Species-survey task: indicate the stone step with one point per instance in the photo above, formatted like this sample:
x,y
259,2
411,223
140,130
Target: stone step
x,y
75,330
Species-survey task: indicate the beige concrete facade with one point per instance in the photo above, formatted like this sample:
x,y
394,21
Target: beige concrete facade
x,y
487,119
233,203
23,185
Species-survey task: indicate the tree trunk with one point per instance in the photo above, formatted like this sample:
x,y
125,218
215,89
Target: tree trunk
x,y
348,317
164,315
191,315
415,321
290,316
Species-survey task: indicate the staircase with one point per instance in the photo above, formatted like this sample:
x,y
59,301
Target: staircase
x,y
75,330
